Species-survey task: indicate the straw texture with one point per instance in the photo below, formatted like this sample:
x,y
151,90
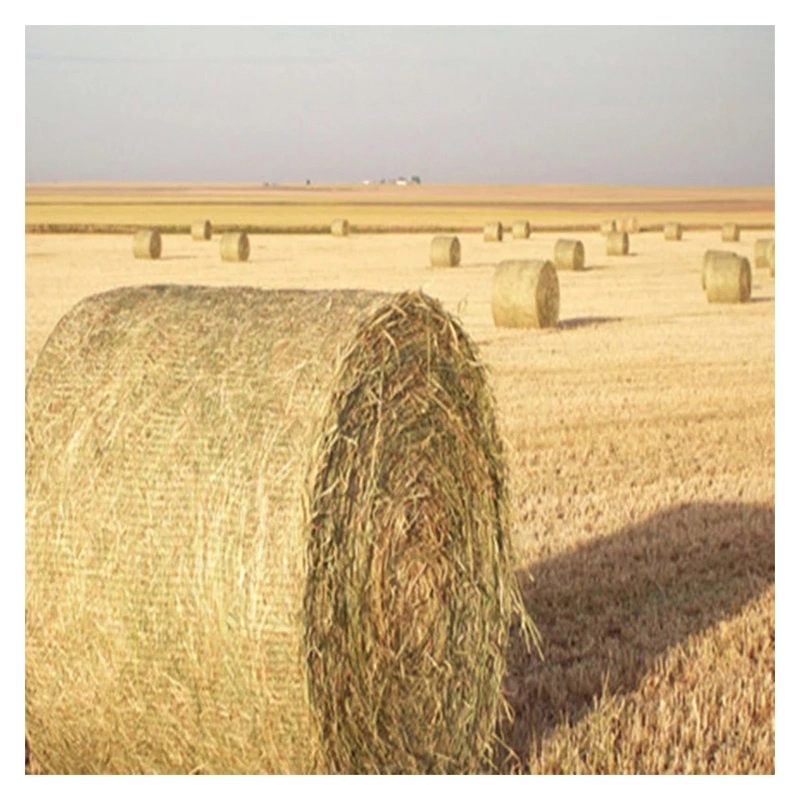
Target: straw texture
x,y
711,255
234,246
728,279
673,231
147,244
617,244
521,229
445,251
201,230
265,532
569,254
493,232
525,294
730,232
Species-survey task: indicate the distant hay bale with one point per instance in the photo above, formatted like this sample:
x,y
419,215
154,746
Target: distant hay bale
x,y
521,229
234,246
608,226
525,294
493,232
673,231
445,251
630,225
730,232
728,278
201,229
147,244
764,251
340,227
617,243
266,531
711,255
772,259
568,254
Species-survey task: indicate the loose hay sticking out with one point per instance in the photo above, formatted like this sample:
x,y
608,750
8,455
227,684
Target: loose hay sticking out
x,y
727,278
608,226
521,229
569,254
525,294
201,230
730,232
630,225
617,244
445,251
265,532
493,232
234,246
340,227
147,244
673,231
764,253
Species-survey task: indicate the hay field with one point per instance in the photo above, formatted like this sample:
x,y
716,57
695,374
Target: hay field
x,y
640,439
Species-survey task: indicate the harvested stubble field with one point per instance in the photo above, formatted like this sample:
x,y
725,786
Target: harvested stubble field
x,y
640,440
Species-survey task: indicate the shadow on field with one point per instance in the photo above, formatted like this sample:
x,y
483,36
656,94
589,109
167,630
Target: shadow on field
x,y
584,322
608,609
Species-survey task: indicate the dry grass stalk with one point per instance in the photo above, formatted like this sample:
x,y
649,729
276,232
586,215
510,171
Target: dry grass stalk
x,y
673,231
340,227
147,244
764,253
234,246
445,251
201,230
728,278
617,243
608,226
569,254
730,232
525,294
521,229
493,232
265,532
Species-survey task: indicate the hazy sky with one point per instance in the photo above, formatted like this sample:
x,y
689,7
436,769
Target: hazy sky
x,y
626,105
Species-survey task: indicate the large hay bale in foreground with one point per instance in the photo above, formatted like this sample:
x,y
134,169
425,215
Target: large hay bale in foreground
x,y
445,251
617,244
521,229
525,294
493,232
234,246
201,230
728,278
340,227
147,244
764,253
709,256
569,254
608,226
673,231
730,232
265,532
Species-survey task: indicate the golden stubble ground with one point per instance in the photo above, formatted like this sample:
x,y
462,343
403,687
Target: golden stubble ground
x,y
640,437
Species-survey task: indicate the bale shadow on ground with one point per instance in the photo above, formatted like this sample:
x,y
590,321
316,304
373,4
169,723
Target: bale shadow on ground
x,y
584,322
609,608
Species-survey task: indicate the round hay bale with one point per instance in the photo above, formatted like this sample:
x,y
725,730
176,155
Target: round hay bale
x,y
728,278
266,531
730,232
340,227
493,232
673,231
771,254
525,294
617,243
201,229
630,225
147,244
764,251
608,226
568,254
709,256
234,246
521,229
445,251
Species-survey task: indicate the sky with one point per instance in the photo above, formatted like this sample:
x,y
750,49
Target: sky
x,y
472,104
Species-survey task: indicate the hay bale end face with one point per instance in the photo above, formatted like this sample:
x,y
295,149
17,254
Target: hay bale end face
x,y
234,246
521,229
493,232
569,254
673,231
445,251
265,532
730,232
764,251
340,227
608,226
525,294
617,243
201,230
147,244
728,278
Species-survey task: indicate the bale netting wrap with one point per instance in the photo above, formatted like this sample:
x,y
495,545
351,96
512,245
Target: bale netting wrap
x,y
266,531
608,226
673,231
617,243
764,251
728,279
445,251
525,294
340,227
569,254
493,232
201,230
521,229
730,232
147,244
234,246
